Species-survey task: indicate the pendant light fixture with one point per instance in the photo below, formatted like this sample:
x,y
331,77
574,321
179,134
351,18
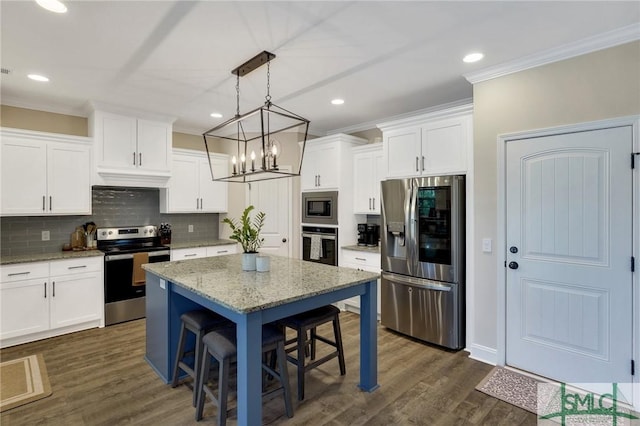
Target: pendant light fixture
x,y
257,133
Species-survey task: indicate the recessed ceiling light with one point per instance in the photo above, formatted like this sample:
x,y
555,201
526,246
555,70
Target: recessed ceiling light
x,y
53,5
473,57
337,101
38,77
216,115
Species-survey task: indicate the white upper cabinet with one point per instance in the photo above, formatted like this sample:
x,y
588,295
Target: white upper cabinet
x,y
325,160
45,173
432,144
131,150
368,170
191,189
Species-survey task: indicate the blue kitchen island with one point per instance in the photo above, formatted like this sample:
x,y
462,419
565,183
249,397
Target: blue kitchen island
x,y
251,299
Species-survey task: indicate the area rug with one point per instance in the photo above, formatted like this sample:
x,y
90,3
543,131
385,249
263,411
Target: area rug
x,y
512,387
22,381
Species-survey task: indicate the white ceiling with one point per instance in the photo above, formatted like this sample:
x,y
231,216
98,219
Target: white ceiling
x,y
385,58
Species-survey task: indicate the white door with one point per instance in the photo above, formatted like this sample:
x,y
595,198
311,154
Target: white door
x,y
24,177
273,197
569,229
75,299
154,142
69,179
403,152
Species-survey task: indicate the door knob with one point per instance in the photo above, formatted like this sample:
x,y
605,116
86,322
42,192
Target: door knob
x,y
284,240
513,265
513,249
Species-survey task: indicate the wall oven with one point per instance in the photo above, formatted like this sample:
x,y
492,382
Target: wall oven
x,y
320,208
320,244
126,250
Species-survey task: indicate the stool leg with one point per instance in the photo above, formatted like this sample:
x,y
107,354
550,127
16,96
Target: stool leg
x,y
302,344
202,382
223,387
313,343
179,354
196,365
338,336
284,378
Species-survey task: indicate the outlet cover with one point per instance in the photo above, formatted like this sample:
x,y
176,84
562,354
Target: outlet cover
x,y
46,235
190,228
486,245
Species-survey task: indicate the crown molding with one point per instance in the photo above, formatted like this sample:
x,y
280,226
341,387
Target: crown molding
x,y
444,111
581,47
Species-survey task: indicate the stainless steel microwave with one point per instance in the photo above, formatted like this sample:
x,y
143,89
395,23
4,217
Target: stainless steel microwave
x,y
320,208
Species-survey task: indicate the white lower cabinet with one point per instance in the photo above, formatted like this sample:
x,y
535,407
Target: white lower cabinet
x,y
209,251
364,261
46,299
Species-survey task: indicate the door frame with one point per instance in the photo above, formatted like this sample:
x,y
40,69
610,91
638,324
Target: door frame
x,y
287,169
501,283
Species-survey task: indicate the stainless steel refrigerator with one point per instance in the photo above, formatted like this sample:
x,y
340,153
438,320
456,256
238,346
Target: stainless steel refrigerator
x,y
423,258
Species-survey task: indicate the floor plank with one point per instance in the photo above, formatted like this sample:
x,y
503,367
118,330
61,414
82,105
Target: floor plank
x,y
99,377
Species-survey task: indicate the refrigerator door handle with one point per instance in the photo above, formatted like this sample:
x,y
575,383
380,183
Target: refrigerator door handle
x,y
417,282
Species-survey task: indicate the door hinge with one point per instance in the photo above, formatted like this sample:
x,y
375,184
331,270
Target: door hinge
x,y
633,264
633,368
633,159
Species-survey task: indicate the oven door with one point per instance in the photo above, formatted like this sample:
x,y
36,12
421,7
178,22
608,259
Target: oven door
x,y
119,277
320,245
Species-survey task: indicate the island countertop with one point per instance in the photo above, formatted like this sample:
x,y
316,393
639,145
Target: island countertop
x,y
222,280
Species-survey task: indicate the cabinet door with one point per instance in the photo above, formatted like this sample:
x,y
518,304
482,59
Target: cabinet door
x,y
362,175
213,194
309,172
24,177
444,147
118,141
75,299
328,166
154,145
68,179
378,174
188,253
183,185
403,152
24,308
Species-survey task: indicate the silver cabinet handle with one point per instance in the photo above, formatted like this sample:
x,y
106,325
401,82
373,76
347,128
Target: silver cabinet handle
x,y
190,255
54,289
134,158
77,267
361,258
45,289
197,204
374,203
50,203
19,273
417,170
369,203
43,202
201,204
222,251
140,159
319,184
423,163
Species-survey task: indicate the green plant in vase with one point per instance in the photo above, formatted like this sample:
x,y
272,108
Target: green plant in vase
x,y
247,232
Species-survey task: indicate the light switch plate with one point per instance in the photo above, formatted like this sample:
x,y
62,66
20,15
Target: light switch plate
x,y
486,245
190,228
46,235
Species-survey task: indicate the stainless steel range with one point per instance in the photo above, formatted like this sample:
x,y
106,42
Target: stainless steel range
x,y
126,250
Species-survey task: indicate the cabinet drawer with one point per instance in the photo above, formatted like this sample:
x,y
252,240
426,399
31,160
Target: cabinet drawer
x,y
24,271
76,266
188,253
364,260
222,250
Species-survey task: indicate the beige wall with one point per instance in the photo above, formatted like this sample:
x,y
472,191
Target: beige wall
x,y
41,121
591,87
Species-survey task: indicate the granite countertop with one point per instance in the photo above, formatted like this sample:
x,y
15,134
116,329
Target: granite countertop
x,y
43,257
375,249
205,243
222,280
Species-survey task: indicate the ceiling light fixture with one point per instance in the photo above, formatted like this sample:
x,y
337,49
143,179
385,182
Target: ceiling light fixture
x,y
473,57
337,101
53,5
38,77
256,131
216,115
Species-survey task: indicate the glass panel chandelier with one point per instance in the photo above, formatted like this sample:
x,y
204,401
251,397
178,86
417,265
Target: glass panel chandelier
x,y
255,133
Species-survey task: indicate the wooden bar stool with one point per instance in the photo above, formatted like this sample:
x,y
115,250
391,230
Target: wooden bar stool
x,y
307,322
221,345
198,322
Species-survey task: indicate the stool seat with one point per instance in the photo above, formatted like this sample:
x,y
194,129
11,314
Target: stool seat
x,y
314,316
203,320
221,345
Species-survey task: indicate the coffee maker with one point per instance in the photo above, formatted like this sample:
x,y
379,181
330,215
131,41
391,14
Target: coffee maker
x,y
368,234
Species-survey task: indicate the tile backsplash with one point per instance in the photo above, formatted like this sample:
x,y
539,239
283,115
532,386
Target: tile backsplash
x,y
112,207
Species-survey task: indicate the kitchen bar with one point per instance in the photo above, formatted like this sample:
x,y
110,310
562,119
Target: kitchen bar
x,y
251,299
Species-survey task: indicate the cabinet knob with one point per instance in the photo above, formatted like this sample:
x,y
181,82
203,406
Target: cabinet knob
x,y
284,240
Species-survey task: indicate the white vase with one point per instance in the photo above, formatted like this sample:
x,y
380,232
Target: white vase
x,y
249,261
263,263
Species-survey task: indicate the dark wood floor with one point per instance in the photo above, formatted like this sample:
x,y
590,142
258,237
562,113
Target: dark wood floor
x,y
99,377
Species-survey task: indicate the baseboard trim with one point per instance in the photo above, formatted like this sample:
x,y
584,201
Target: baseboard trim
x,y
483,353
